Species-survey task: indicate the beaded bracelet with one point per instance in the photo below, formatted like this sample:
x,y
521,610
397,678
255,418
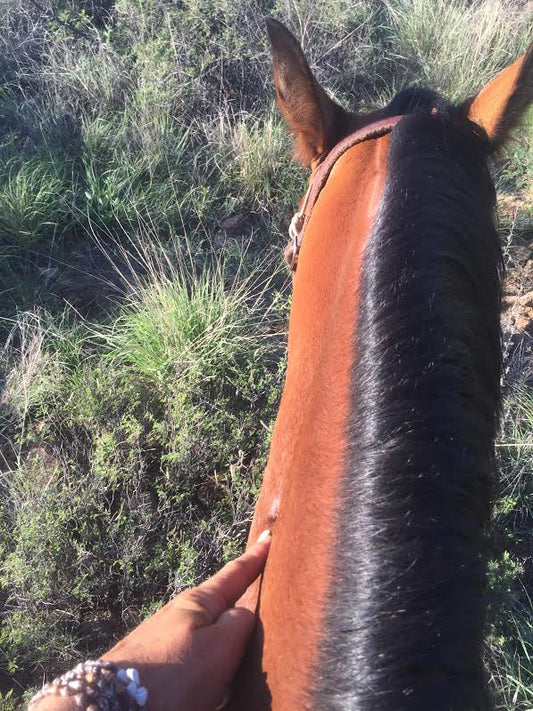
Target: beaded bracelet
x,y
98,686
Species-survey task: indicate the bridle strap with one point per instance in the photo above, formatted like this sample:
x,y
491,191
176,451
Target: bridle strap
x,y
301,218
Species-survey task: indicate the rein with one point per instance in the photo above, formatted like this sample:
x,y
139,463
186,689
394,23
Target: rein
x,y
325,166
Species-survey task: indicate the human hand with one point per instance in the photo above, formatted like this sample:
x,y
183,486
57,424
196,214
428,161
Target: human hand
x,y
188,652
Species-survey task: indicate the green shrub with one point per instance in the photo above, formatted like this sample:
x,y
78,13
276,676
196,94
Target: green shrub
x,y
510,640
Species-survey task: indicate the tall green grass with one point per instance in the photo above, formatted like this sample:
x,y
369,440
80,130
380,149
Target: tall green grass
x,y
34,201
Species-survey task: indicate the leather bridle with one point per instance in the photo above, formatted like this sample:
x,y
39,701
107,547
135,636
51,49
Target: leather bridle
x,y
322,172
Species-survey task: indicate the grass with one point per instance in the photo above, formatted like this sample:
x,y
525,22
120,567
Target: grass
x,y
457,47
33,202
145,191
510,573
177,322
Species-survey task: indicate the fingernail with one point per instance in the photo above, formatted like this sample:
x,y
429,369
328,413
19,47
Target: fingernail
x,y
264,535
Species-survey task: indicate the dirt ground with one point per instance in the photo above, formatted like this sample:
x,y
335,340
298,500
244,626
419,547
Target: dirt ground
x,y
517,314
518,294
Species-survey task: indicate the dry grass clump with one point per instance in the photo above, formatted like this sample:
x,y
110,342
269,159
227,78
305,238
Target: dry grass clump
x,y
457,47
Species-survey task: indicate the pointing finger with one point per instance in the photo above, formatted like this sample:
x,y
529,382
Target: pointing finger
x,y
225,587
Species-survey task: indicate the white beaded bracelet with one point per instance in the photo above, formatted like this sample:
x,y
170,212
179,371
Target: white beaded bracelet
x,y
98,686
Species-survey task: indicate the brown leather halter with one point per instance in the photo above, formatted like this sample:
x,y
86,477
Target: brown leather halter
x,y
325,166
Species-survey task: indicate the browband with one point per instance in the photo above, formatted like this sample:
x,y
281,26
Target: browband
x,y
301,218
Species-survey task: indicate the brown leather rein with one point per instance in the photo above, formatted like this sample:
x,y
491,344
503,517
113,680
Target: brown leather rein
x,y
301,218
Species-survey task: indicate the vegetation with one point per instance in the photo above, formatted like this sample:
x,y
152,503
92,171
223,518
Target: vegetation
x,y
145,189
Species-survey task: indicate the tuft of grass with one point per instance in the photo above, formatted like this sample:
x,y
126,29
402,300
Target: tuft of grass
x,y
255,152
182,322
33,201
83,77
28,369
454,46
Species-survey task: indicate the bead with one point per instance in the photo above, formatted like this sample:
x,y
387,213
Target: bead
x,y
99,686
141,695
133,674
132,689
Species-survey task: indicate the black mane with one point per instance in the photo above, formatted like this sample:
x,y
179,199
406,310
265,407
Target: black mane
x,y
404,626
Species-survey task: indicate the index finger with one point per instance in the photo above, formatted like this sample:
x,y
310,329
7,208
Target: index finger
x,y
225,587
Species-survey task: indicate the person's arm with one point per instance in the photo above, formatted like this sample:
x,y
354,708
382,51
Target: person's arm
x,y
188,652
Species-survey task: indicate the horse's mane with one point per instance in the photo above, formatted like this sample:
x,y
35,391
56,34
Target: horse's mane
x,y
404,624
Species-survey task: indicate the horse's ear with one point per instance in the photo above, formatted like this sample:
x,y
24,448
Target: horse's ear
x,y
316,120
499,106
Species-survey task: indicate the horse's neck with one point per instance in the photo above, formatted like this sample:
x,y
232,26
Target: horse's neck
x,y
312,418
374,582
299,497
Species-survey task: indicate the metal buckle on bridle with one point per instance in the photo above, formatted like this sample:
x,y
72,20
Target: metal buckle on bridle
x,y
296,230
293,246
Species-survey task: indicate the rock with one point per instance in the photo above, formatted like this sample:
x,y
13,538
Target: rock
x,y
232,222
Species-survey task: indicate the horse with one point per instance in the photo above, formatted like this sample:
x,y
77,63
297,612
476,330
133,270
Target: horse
x,y
381,470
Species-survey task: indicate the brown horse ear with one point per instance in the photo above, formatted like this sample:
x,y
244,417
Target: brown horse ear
x,y
316,120
499,106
